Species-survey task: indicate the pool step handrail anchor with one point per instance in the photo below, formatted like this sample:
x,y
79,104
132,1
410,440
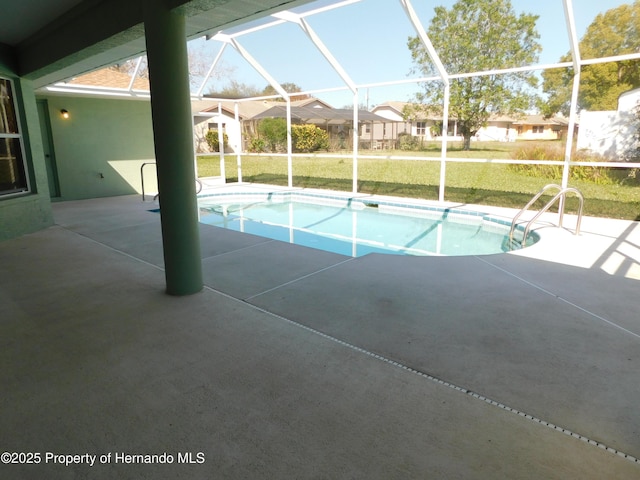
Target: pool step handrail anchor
x,y
561,195
142,177
155,197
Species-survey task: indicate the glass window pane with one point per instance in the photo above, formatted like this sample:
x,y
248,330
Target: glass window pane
x,y
8,121
12,173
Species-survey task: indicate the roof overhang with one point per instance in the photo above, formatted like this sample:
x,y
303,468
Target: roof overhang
x,y
90,34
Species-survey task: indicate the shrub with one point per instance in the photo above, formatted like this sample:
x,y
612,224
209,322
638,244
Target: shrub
x,y
309,138
257,145
273,131
408,142
597,175
212,140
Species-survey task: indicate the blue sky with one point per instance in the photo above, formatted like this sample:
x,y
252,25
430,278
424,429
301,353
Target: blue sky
x,y
369,39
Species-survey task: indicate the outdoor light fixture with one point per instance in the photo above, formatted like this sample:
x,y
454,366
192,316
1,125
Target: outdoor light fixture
x,y
64,113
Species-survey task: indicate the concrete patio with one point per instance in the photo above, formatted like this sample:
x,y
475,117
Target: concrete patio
x,y
298,363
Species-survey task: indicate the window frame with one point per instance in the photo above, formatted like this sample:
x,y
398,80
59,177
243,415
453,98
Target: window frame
x,y
19,136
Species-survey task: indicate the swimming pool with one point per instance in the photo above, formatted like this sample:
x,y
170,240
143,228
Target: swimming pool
x,y
358,226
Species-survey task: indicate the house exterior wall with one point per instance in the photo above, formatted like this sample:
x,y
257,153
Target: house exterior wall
x,y
101,147
30,212
379,131
202,124
497,132
417,129
528,132
610,134
383,134
389,113
200,128
628,100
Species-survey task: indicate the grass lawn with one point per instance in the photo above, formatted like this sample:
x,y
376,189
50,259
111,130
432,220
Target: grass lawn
x,y
476,183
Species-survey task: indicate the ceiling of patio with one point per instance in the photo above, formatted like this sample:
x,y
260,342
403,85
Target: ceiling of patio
x,y
59,39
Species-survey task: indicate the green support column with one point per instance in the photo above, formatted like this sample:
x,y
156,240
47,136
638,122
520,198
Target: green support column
x,y
173,139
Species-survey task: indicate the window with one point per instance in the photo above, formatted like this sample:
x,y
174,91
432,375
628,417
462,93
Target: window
x,y
538,129
421,128
13,178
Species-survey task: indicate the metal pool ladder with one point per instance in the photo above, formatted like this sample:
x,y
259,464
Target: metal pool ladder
x,y
561,195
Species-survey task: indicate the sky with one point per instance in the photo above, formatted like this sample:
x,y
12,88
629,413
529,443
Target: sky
x,y
369,40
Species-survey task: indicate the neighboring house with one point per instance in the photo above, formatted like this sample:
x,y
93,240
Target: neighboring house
x,y
384,134
498,128
536,127
338,122
212,115
240,129
206,117
610,133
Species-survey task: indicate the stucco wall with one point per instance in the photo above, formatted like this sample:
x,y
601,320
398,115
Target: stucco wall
x,y
29,212
202,124
628,101
100,148
610,134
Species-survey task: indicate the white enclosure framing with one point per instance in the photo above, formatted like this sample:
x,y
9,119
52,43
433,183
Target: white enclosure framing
x,y
443,76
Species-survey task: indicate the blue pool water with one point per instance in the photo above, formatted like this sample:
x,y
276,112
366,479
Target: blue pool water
x,y
357,227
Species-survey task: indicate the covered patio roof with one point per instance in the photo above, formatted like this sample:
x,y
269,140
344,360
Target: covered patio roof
x,y
59,39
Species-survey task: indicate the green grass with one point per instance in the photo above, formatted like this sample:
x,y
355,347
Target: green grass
x,y
476,183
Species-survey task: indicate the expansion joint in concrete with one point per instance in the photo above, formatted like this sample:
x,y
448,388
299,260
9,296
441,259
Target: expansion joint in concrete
x,y
455,387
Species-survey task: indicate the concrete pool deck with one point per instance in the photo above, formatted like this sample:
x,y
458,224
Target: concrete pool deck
x,y
298,363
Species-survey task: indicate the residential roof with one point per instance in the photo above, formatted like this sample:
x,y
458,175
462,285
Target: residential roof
x,y
307,101
398,106
541,120
251,108
317,115
246,110
524,120
109,78
206,107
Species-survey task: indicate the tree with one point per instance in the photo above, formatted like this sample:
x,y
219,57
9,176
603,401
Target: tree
x,y
199,63
274,133
289,88
235,89
475,36
615,32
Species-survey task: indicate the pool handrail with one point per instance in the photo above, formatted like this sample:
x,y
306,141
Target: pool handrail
x,y
562,193
142,176
198,182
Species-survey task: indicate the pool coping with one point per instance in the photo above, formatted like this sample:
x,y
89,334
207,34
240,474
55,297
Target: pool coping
x,y
612,245
394,205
